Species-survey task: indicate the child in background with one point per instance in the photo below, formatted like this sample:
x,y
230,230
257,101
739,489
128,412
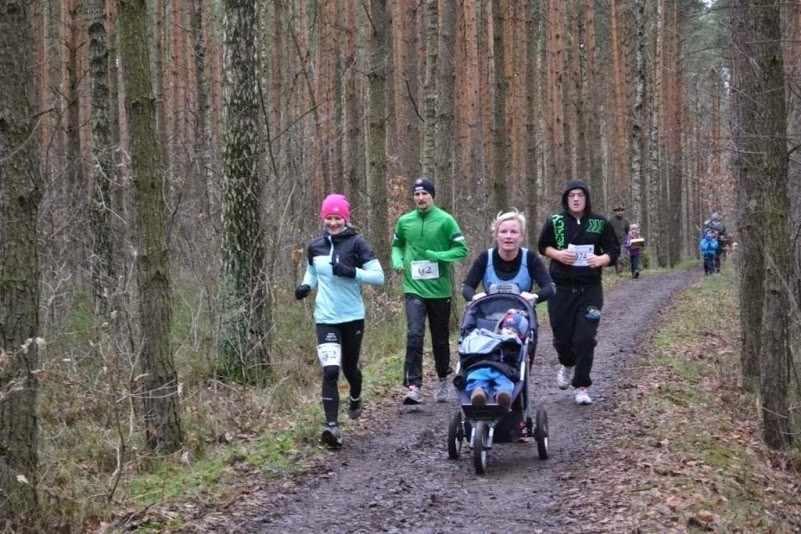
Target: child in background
x,y
482,381
634,243
709,248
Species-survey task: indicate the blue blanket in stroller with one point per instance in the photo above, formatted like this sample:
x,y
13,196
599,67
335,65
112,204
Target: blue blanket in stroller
x,y
483,347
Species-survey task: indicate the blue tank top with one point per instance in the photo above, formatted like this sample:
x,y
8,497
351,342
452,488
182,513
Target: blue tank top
x,y
522,278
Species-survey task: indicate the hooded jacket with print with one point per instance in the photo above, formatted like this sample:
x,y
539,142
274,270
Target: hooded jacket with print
x,y
563,229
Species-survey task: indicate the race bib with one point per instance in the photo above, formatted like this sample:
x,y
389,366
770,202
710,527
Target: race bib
x,y
330,354
581,253
425,270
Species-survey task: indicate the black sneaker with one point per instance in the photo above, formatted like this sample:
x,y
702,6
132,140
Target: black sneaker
x,y
355,410
332,436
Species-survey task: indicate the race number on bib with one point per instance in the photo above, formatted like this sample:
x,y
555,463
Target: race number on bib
x,y
330,354
425,270
581,253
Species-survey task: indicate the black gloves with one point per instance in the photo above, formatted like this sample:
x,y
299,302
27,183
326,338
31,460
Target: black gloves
x,y
343,270
301,292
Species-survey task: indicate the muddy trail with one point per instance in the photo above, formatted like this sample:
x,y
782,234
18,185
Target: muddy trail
x,y
397,477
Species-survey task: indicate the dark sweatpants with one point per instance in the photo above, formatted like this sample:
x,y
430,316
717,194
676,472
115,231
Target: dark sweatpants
x,y
573,332
438,312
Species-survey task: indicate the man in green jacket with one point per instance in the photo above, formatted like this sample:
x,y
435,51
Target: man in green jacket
x,y
426,240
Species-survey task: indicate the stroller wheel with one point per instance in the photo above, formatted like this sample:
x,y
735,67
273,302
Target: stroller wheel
x,y
480,437
455,436
541,434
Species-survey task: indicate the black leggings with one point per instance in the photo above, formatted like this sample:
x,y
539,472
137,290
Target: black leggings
x,y
349,338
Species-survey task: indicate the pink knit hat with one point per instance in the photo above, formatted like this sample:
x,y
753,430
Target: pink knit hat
x,y
335,204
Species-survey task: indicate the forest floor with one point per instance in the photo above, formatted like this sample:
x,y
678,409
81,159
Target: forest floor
x,y
613,466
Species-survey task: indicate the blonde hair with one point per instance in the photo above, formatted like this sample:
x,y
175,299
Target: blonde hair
x,y
512,215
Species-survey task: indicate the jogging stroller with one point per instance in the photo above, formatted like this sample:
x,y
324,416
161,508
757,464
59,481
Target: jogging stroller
x,y
482,426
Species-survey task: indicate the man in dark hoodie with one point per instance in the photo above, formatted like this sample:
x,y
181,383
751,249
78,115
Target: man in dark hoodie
x,y
579,244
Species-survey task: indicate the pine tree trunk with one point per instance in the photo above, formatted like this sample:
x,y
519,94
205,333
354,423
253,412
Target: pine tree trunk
x,y
759,113
638,118
242,352
20,196
379,54
159,378
445,106
407,139
556,177
430,90
618,177
469,106
500,140
353,138
533,113
103,170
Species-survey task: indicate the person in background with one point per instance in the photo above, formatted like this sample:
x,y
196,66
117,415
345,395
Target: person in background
x,y
709,248
339,261
579,244
426,241
716,223
634,244
509,262
621,226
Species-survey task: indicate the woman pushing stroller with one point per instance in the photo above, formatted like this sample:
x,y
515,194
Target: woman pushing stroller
x,y
506,263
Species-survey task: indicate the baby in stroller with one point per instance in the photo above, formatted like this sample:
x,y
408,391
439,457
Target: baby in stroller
x,y
493,375
497,342
498,333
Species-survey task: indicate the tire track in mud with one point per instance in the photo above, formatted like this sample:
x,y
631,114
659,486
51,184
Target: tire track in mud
x,y
397,477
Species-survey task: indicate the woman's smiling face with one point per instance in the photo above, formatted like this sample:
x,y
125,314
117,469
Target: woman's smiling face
x,y
334,224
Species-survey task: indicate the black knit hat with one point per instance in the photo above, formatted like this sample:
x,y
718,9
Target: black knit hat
x,y
424,184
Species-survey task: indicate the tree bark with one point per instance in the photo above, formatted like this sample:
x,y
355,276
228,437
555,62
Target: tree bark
x,y
407,138
103,170
758,104
469,102
242,352
20,196
159,378
353,139
633,199
445,106
430,90
500,139
379,55
533,114
556,177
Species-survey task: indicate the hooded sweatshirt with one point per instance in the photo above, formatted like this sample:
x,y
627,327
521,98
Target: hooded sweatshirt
x,y
589,228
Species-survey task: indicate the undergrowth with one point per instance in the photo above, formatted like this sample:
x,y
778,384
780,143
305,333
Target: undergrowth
x,y
698,455
695,458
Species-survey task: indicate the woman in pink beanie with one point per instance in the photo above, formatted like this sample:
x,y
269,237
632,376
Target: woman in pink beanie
x,y
339,261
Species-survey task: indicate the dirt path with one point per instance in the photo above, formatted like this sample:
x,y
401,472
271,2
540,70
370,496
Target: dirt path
x,y
398,478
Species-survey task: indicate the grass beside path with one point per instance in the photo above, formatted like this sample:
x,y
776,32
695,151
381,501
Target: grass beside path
x,y
687,453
